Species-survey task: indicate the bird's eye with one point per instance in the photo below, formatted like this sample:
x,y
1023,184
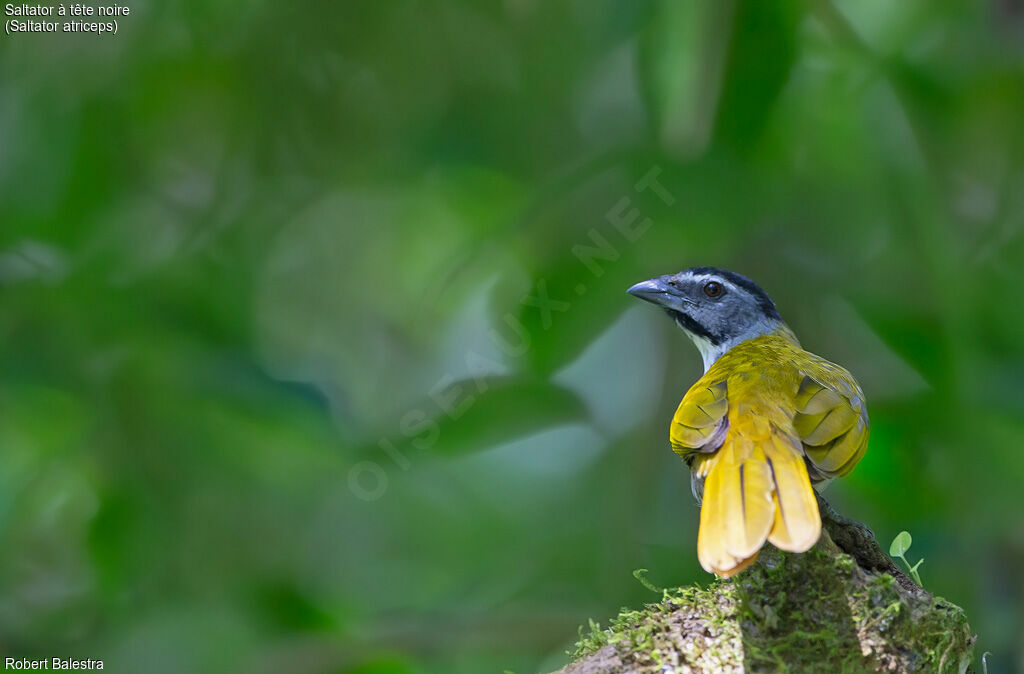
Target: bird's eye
x,y
713,289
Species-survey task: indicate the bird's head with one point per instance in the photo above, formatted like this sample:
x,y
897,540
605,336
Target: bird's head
x,y
716,308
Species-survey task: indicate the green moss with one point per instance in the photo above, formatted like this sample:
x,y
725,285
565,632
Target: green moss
x,y
811,612
689,624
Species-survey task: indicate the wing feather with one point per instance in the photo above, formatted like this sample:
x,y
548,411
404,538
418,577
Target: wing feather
x,y
700,420
832,422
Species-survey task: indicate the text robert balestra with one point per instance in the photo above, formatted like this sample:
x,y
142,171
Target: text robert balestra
x,y
52,663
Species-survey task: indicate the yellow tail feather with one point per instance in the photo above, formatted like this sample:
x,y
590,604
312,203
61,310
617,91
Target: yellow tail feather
x,y
753,492
797,521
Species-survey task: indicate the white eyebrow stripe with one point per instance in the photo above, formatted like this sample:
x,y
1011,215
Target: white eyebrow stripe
x,y
711,277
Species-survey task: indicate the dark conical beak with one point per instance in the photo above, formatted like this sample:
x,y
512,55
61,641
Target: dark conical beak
x,y
655,290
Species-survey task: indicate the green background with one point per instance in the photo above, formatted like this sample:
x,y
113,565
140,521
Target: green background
x,y
243,243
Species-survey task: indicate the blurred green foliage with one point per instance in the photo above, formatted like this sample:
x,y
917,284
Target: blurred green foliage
x,y
284,389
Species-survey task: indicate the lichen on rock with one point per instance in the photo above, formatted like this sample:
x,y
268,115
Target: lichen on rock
x,y
825,610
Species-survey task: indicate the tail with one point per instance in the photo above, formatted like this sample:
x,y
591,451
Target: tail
x,y
756,488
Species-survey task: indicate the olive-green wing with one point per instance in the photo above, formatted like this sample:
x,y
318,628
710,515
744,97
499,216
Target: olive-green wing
x,y
831,420
700,420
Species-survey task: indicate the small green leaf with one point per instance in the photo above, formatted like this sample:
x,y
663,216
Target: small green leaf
x,y
913,571
641,575
900,544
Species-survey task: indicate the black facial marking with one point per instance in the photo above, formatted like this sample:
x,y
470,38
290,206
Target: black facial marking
x,y
693,326
764,302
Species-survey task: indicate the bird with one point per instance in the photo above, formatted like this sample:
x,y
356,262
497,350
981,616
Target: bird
x,y
766,424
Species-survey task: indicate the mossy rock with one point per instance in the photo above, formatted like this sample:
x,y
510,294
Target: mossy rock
x,y
820,611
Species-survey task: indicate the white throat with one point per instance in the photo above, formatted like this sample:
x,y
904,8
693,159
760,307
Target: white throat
x,y
709,352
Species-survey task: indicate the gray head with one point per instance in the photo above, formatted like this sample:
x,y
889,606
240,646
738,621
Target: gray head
x,y
718,309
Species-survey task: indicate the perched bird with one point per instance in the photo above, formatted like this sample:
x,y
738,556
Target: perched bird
x,y
765,422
